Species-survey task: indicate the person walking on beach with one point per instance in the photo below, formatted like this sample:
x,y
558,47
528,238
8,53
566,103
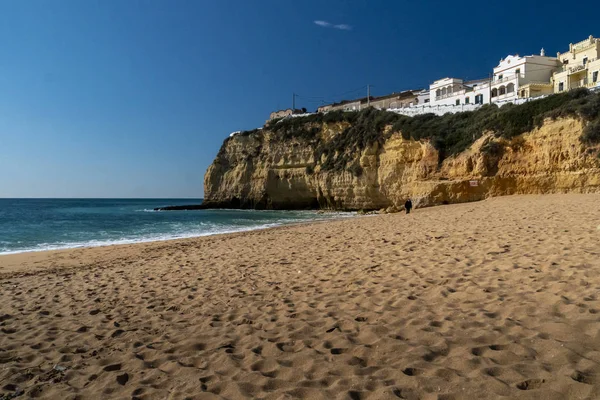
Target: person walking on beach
x,y
408,206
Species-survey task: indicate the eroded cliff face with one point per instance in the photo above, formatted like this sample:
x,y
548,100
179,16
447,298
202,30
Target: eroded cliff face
x,y
262,171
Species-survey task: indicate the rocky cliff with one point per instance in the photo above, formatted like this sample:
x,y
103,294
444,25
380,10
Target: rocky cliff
x,y
266,169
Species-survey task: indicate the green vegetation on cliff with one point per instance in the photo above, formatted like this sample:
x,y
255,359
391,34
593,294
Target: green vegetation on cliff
x,y
450,134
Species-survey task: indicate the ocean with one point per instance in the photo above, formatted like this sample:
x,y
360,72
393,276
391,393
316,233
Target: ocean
x,y
49,224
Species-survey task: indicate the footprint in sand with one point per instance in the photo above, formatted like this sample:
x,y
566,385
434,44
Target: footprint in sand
x,y
477,351
412,371
123,379
112,367
583,377
530,384
405,393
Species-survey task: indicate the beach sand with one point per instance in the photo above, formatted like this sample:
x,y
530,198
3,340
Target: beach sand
x,y
494,299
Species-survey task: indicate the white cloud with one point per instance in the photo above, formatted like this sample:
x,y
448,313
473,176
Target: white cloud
x,y
325,24
343,27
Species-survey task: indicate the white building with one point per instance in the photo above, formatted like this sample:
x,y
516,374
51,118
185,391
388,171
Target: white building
x,y
423,97
454,92
514,72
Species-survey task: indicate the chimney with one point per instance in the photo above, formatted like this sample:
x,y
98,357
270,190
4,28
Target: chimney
x,y
543,52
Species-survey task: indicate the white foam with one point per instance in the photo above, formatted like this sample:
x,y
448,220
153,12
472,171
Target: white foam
x,y
169,236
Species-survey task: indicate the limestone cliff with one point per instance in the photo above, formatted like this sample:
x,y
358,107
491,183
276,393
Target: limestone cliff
x,y
262,170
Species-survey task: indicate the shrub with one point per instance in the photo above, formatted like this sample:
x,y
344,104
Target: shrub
x,y
449,134
493,149
248,133
591,133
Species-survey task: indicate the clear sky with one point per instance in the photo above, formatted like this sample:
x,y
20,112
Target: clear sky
x,y
127,98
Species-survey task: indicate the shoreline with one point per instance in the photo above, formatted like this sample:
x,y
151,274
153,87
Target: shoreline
x,y
152,240
351,215
9,260
493,299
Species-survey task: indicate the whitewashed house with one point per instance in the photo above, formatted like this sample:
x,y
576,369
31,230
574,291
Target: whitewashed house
x,y
527,76
455,92
423,97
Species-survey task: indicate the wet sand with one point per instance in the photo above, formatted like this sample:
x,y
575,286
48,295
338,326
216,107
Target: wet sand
x,y
495,299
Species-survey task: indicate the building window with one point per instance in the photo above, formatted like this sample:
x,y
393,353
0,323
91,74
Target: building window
x,y
585,60
518,71
499,77
561,86
595,77
466,100
494,92
426,101
458,102
522,93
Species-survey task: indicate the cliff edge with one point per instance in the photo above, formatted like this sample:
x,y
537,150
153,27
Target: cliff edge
x,y
375,159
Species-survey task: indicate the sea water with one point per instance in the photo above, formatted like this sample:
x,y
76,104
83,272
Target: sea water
x,y
49,224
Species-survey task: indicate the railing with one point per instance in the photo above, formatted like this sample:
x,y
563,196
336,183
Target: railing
x,y
450,108
508,78
583,44
521,100
504,96
481,85
585,41
580,66
582,83
538,83
575,85
447,95
438,110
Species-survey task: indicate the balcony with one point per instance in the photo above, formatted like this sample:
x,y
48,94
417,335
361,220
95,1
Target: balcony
x,y
576,68
452,94
508,79
582,83
504,96
540,83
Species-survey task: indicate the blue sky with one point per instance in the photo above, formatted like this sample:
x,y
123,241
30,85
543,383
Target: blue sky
x,y
114,98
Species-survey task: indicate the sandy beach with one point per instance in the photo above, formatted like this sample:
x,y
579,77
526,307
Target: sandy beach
x,y
494,299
